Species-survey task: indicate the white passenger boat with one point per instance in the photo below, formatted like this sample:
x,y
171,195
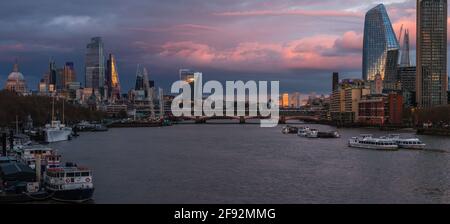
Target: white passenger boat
x,y
69,183
407,143
47,155
289,130
312,133
56,132
303,131
369,142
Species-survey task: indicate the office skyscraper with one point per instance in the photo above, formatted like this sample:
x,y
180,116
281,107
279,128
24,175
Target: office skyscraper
x,y
112,79
69,75
95,65
335,81
381,48
431,53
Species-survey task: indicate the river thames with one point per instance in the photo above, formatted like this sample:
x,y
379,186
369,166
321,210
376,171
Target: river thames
x,y
232,163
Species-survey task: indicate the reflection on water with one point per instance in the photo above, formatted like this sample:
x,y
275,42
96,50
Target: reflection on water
x,y
216,163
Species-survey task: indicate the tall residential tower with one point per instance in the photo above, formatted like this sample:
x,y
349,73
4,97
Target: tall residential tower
x,y
431,53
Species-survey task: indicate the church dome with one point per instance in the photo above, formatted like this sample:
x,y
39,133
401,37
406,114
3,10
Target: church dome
x,y
16,76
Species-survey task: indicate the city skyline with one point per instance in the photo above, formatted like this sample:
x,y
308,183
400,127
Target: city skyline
x,y
296,51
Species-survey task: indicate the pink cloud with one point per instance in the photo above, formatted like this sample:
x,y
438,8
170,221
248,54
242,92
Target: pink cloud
x,y
315,52
20,47
180,29
297,12
189,51
351,41
11,47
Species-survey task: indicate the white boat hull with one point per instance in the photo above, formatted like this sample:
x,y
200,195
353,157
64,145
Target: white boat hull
x,y
54,135
371,143
417,147
375,147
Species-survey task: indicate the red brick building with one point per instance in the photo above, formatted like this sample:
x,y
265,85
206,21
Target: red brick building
x,y
381,109
395,105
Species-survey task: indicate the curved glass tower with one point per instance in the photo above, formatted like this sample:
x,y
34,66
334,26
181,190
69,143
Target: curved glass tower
x,y
381,48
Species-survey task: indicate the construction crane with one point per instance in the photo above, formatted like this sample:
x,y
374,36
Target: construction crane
x,y
400,34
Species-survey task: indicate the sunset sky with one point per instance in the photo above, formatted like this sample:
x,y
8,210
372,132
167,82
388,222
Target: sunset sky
x,y
297,42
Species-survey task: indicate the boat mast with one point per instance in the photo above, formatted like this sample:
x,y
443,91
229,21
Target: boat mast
x,y
17,124
63,112
53,108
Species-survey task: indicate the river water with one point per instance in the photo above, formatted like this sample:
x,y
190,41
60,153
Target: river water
x,y
232,163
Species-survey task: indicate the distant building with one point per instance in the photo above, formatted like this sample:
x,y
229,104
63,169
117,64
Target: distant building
x,y
378,85
68,75
295,100
114,110
381,109
335,81
59,79
188,76
431,53
83,95
142,79
143,96
337,99
344,101
16,81
112,79
43,87
285,100
380,45
50,76
395,105
407,77
95,65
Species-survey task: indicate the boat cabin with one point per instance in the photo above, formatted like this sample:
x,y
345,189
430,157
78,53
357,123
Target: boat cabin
x,y
68,177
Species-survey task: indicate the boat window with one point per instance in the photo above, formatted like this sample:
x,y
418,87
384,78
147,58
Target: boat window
x,y
85,174
77,174
70,175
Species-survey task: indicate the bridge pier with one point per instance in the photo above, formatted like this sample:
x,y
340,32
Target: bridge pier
x,y
241,120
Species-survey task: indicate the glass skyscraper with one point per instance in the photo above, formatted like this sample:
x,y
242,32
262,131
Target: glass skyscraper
x,y
381,47
431,53
95,65
112,79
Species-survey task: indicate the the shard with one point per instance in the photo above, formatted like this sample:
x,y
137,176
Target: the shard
x,y
405,60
